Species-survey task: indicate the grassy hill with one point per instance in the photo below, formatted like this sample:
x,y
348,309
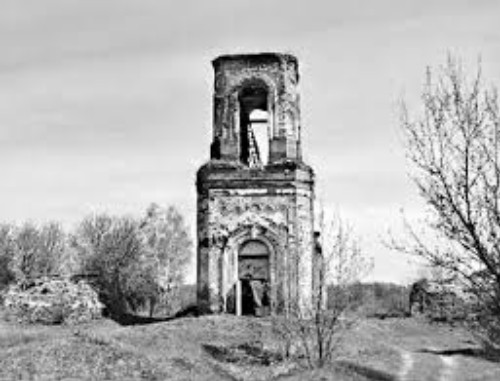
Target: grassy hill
x,y
233,348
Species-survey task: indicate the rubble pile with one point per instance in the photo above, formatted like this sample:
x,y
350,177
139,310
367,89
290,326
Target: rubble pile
x,y
52,301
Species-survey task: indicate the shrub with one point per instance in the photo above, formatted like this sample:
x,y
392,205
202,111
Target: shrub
x,y
379,300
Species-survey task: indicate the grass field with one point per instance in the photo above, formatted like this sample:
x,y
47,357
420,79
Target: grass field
x,y
223,348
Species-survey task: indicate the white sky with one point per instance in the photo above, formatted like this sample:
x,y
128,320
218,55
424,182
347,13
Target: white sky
x,y
105,105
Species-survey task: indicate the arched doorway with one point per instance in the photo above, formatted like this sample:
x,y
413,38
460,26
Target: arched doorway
x,y
253,289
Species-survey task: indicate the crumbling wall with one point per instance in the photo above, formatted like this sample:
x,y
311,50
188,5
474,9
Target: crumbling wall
x,y
230,218
53,301
281,217
272,203
278,73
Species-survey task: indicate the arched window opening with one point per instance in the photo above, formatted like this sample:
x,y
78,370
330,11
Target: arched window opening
x,y
254,125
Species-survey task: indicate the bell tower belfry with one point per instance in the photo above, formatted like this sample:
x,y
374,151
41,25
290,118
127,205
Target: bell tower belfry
x,y
255,194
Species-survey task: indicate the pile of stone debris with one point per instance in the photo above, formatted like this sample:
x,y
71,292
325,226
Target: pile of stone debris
x,y
52,301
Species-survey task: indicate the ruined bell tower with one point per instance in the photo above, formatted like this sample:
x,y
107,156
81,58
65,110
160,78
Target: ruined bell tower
x,y
255,194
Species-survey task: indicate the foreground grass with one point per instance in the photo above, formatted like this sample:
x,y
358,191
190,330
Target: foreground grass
x,y
180,350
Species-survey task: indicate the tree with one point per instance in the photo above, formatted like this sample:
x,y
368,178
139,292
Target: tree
x,y
339,264
6,255
454,148
52,247
168,251
109,248
36,251
136,262
141,287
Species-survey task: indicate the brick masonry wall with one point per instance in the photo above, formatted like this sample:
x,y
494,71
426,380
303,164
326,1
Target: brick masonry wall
x,y
281,218
279,75
272,204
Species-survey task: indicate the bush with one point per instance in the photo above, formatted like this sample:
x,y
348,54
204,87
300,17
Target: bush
x,y
378,300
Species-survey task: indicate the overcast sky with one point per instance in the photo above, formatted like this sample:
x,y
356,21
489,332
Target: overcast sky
x,y
105,105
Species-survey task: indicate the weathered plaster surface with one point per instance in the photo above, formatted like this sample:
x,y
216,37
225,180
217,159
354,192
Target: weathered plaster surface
x,y
273,204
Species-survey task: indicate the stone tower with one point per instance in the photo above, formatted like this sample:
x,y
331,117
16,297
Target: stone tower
x,y
255,194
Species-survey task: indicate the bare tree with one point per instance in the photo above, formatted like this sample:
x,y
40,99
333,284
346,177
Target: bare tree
x,y
52,247
137,262
109,247
6,255
37,251
319,330
454,147
168,251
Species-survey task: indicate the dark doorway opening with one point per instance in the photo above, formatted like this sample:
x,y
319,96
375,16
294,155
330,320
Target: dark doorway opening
x,y
253,272
255,297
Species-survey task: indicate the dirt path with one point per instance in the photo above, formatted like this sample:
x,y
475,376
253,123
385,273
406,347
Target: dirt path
x,y
407,361
417,364
449,365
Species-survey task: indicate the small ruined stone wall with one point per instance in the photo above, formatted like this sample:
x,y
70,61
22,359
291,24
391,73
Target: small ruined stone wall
x,y
52,301
440,301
